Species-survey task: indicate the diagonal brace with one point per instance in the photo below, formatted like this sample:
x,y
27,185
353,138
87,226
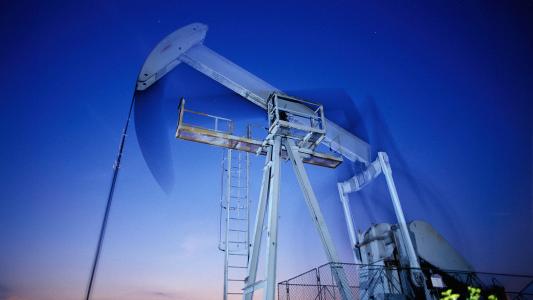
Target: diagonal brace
x,y
318,219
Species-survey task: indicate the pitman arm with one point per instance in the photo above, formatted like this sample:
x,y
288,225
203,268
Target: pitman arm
x,y
359,181
380,166
186,45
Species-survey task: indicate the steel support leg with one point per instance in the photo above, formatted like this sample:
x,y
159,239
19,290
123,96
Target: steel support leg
x,y
318,219
272,229
416,273
385,166
349,223
258,227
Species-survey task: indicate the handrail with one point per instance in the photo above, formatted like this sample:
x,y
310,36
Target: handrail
x,y
182,112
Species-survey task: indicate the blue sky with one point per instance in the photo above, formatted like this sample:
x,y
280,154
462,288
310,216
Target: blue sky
x,y
444,87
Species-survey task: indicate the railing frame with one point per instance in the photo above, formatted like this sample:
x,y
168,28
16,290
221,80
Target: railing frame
x,y
326,291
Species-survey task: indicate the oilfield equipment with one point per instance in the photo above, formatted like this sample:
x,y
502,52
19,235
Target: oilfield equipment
x,y
384,255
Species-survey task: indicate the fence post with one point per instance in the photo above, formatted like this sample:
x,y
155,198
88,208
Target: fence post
x,y
319,286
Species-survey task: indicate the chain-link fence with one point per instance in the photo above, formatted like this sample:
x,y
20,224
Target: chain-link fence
x,y
391,282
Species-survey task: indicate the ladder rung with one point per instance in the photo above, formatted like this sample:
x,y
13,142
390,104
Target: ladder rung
x,y
235,207
236,203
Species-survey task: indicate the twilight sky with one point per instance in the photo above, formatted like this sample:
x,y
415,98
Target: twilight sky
x,y
445,88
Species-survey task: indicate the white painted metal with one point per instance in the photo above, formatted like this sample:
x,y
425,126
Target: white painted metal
x,y
280,135
185,45
385,166
228,215
269,195
250,281
359,181
272,227
416,273
433,248
356,183
257,91
235,226
318,219
202,132
230,75
349,223
165,56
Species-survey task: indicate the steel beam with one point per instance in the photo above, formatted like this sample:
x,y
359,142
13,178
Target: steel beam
x,y
416,273
272,228
186,45
387,171
318,219
258,228
226,246
349,223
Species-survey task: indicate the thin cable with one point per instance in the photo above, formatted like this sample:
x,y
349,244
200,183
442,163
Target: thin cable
x,y
116,168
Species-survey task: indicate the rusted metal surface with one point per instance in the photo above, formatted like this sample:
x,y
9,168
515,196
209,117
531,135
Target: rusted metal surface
x,y
216,137
211,137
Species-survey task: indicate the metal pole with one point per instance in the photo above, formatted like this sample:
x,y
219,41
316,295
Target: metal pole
x,y
349,223
116,168
385,166
248,202
319,284
318,219
416,273
228,198
258,227
272,227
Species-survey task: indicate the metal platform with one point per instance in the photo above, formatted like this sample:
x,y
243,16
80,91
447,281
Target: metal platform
x,y
220,133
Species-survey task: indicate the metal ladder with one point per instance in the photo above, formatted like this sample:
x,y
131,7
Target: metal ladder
x,y
234,236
